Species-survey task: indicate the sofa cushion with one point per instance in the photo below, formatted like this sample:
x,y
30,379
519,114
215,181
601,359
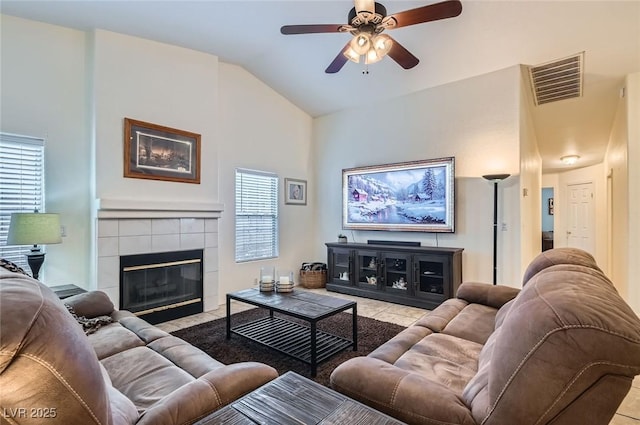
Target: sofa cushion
x,y
185,355
474,323
143,329
399,344
144,376
444,359
113,338
553,257
440,317
123,411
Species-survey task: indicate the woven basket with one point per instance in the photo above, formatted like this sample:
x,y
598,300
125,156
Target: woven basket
x,y
313,279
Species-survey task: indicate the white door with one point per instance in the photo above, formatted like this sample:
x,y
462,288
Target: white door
x,y
580,218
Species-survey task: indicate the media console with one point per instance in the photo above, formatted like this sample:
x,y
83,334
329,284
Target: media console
x,y
410,275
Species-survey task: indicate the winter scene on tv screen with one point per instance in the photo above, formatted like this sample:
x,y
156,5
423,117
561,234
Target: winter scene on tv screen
x,y
413,196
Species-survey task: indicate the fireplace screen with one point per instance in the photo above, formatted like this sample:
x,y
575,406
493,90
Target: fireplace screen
x,y
154,283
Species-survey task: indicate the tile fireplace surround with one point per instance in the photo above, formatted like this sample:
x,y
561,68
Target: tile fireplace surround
x,y
128,227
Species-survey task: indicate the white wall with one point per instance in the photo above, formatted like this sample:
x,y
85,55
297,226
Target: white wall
x,y
622,157
616,167
633,117
530,177
161,84
261,130
44,95
474,120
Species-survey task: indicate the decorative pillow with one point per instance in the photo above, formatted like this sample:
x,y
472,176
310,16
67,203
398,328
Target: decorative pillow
x,y
89,325
12,267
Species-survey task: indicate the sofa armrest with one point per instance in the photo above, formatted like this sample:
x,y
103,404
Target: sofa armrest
x,y
91,304
410,397
483,293
208,393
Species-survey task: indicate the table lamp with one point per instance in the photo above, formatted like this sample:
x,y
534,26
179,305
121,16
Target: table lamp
x,y
33,229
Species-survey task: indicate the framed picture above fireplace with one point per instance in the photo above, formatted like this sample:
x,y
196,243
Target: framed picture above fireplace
x,y
152,151
416,196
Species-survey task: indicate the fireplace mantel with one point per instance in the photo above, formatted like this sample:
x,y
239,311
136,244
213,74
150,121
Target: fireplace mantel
x,y
134,208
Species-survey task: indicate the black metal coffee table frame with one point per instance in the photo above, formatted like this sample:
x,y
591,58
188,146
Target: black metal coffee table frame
x,y
305,343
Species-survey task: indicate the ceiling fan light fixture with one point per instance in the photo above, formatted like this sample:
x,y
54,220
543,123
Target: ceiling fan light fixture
x,y
372,56
382,43
352,55
361,43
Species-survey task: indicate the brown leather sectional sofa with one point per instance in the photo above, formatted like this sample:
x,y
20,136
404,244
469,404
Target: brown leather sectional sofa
x,y
126,372
563,350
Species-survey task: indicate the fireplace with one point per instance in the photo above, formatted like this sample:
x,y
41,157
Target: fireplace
x,y
162,286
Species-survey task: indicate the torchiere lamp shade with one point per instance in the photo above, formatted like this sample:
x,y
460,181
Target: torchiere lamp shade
x,y
34,228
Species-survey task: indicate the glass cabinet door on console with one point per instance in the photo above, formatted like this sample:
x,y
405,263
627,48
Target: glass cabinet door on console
x,y
368,269
396,276
431,277
340,266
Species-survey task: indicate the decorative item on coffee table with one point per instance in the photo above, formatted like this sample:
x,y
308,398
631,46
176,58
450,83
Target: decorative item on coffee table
x,y
285,281
267,280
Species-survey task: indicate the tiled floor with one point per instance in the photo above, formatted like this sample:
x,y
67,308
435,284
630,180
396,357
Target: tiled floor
x,y
628,413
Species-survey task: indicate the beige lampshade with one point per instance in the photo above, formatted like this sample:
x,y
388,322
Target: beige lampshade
x,y
34,229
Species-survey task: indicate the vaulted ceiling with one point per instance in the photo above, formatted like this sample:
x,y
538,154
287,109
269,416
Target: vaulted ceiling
x,y
487,36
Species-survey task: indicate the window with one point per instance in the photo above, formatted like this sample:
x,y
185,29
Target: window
x,y
256,215
21,186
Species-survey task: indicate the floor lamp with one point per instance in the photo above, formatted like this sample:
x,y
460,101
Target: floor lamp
x,y
495,178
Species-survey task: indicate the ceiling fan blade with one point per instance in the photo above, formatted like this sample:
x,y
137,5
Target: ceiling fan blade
x,y
310,29
338,62
402,56
431,12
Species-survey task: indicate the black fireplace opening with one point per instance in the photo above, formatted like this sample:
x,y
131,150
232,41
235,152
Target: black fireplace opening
x,y
162,286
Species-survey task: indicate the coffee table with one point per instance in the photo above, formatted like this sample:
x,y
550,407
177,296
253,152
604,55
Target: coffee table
x,y
305,343
293,399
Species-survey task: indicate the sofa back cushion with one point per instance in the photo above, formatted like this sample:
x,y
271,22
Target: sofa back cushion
x,y
565,334
553,257
48,370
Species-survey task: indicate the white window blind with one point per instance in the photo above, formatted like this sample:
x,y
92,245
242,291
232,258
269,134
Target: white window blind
x,y
21,186
256,215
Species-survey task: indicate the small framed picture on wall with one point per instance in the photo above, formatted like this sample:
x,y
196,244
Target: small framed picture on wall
x,y
295,192
550,206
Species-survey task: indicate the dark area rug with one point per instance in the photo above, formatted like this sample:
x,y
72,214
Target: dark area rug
x,y
211,338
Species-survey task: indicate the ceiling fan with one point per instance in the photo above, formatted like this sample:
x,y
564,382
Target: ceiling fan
x,y
366,22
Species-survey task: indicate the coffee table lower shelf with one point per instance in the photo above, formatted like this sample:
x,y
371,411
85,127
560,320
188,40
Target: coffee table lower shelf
x,y
292,339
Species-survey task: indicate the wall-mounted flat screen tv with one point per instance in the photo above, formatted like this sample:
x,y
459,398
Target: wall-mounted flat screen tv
x,y
409,196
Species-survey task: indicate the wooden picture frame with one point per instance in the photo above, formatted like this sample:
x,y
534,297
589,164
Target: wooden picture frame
x,y
295,192
156,152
